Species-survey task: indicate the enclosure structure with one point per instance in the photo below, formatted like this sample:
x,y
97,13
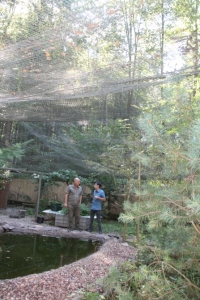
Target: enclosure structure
x,y
110,90
65,64
76,78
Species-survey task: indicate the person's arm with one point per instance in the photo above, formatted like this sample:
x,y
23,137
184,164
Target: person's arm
x,y
66,200
81,196
101,198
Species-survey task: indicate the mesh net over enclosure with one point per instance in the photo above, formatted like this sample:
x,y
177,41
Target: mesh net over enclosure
x,y
43,77
67,62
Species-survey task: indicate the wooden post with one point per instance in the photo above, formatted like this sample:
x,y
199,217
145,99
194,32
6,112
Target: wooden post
x,y
124,232
38,197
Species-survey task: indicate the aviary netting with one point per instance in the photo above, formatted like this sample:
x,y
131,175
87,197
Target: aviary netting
x,y
69,62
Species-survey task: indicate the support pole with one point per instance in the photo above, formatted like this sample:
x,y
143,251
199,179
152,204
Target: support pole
x,y
38,197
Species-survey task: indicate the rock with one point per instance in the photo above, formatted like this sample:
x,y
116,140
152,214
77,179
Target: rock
x,y
125,244
8,227
106,238
114,235
18,214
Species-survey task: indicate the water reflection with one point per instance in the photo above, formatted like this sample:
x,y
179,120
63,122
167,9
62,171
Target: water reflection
x,y
21,255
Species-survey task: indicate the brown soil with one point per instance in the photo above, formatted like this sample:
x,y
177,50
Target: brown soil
x,y
69,281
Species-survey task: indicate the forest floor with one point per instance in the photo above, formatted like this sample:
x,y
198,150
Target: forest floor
x,y
70,281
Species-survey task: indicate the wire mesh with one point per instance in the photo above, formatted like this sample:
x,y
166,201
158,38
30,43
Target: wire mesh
x,y
64,62
40,70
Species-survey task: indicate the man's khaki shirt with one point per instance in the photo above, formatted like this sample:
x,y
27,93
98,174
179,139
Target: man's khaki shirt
x,y
74,194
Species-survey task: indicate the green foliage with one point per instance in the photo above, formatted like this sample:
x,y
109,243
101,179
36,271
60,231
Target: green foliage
x,y
64,176
8,154
7,157
168,204
44,203
109,226
132,282
85,210
64,210
30,211
60,176
92,296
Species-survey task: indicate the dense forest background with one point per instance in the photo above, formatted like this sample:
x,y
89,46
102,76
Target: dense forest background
x,y
111,88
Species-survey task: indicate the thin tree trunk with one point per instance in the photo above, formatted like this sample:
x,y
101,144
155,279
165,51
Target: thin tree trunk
x,y
162,38
162,42
8,128
196,51
139,186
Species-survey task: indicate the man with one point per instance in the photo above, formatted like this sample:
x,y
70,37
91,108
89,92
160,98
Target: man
x,y
73,198
96,206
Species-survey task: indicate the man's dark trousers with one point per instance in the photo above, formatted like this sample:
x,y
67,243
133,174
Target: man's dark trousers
x,y
98,214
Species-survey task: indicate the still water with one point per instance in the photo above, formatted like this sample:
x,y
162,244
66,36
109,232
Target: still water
x,y
22,255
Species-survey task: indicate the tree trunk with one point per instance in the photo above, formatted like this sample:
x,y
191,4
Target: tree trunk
x,y
196,51
8,129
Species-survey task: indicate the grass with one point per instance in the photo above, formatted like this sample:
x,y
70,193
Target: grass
x,y
93,296
114,227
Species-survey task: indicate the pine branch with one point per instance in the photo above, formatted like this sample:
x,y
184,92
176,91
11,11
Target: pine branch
x,y
182,275
170,292
195,227
163,142
176,204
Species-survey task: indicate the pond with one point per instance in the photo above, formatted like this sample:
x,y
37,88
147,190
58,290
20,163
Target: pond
x,y
21,255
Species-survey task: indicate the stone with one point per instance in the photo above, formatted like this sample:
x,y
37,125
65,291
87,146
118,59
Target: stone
x,y
8,227
125,244
114,235
18,214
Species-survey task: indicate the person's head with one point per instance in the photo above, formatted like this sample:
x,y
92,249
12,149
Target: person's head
x,y
76,181
97,185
